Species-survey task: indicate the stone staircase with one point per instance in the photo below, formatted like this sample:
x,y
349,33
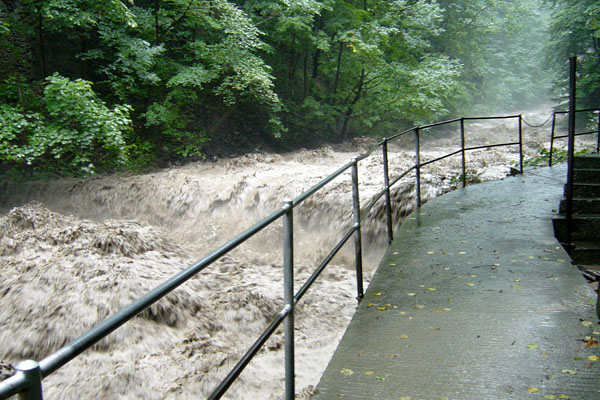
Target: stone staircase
x,y
585,236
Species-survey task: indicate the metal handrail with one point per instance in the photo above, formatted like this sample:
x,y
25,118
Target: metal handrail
x,y
553,136
27,380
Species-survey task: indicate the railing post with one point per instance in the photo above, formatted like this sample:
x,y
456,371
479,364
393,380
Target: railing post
x,y
521,143
388,201
33,375
598,135
552,138
571,146
357,233
462,152
288,297
418,167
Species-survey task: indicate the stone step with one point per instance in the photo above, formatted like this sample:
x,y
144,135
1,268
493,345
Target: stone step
x,y
585,253
583,205
585,190
585,228
587,161
587,175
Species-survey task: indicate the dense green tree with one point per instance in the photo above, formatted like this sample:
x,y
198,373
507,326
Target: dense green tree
x,y
575,31
182,78
499,43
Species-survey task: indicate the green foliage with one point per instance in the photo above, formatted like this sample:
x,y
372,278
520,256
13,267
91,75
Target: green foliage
x,y
471,176
542,158
202,76
74,131
575,31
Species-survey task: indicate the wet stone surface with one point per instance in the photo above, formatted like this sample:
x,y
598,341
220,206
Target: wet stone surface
x,y
475,299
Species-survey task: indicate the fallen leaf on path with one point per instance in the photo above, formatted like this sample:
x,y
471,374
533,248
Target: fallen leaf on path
x,y
533,390
369,373
569,371
346,371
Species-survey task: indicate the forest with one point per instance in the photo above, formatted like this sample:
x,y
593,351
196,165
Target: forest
x,y
97,86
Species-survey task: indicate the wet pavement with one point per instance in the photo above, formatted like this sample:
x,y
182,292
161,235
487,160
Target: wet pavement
x,y
475,299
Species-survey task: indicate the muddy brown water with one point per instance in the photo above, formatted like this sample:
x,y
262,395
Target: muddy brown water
x,y
75,251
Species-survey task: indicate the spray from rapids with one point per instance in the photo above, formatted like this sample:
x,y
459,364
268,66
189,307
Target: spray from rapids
x,y
73,252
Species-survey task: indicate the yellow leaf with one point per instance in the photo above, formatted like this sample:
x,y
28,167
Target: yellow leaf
x,y
462,252
381,308
470,284
431,252
533,390
431,289
563,396
550,397
402,312
346,371
560,260
544,354
405,398
569,371
593,358
392,264
369,373
533,346
586,323
420,306
404,336
371,304
410,294
446,309
518,286
377,294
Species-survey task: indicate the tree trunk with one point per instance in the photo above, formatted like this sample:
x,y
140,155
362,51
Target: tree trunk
x,y
350,110
337,72
305,75
41,38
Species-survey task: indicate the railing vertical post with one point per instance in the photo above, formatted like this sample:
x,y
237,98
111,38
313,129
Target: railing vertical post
x,y
288,297
388,201
552,139
33,375
521,144
571,146
598,135
357,232
462,152
418,166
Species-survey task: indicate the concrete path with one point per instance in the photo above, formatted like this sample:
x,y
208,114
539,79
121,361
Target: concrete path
x,y
475,299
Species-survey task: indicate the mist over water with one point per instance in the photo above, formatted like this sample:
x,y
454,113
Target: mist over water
x,y
75,251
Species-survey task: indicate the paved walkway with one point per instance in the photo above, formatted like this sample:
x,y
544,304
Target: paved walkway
x,y
475,299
